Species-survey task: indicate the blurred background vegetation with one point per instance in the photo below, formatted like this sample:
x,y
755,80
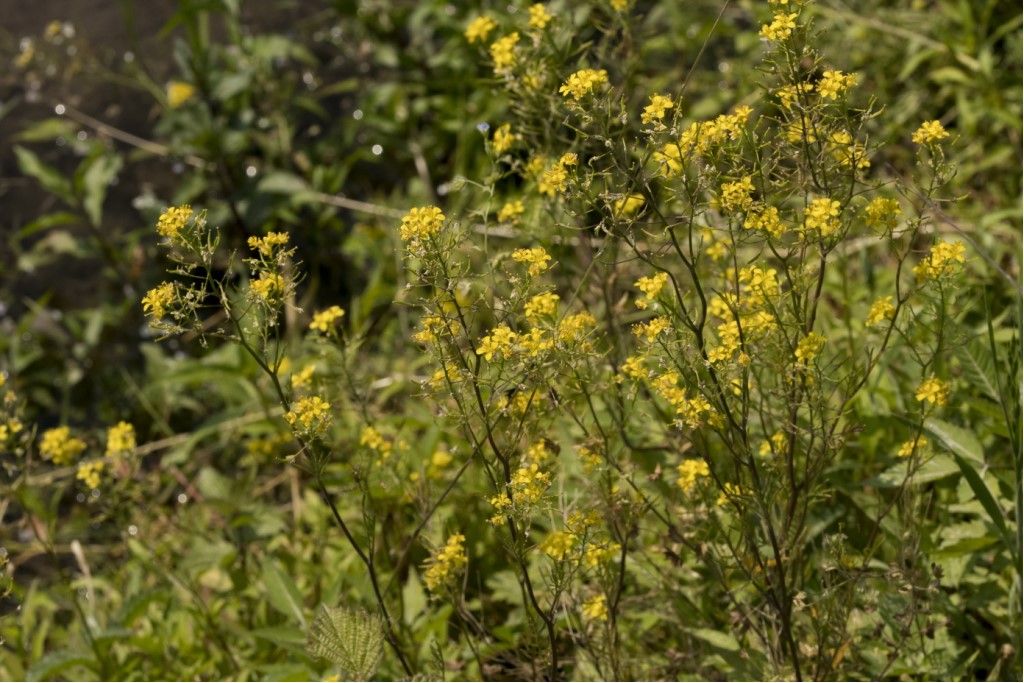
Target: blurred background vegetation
x,y
327,120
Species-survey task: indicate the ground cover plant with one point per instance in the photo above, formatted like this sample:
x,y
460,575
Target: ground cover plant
x,y
606,340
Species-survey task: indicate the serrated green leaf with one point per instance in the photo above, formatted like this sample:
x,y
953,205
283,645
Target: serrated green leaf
x,y
351,639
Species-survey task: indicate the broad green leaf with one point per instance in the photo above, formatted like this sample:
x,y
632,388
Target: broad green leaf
x,y
52,665
988,501
723,641
95,180
282,592
49,177
956,439
937,467
351,639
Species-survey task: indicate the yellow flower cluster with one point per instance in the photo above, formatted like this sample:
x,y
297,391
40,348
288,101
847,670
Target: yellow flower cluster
x,y
651,286
500,341
503,138
882,309
158,300
776,444
556,178
310,414
595,608
627,206
375,441
558,544
652,328
573,327
834,83
583,82
120,439
511,211
446,563
172,221
780,28
598,554
808,348
882,213
59,446
691,412
269,287
911,446
789,94
325,320
302,379
539,16
524,491
928,133
265,245
420,223
848,151
479,28
655,111
933,390
690,472
536,257
766,220
700,136
541,306
944,259
89,473
822,216
503,52
735,196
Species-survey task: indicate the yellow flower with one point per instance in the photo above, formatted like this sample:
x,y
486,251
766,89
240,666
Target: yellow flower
x,y
479,28
158,300
420,223
558,544
809,347
536,257
583,82
572,327
911,446
446,564
539,16
503,139
500,341
655,111
652,328
933,390
822,216
172,220
120,439
511,211
89,473
735,196
310,414
627,206
882,309
928,133
325,320
596,555
690,471
265,245
375,441
834,83
766,220
789,94
503,52
269,287
848,151
729,491
882,213
541,306
178,93
58,445
303,378
781,27
634,367
651,286
944,259
596,609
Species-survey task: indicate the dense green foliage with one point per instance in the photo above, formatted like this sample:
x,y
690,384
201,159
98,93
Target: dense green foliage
x,y
232,541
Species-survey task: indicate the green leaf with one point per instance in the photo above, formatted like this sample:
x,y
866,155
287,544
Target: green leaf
x,y
49,177
95,180
956,439
282,592
351,639
54,663
988,501
723,641
937,467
